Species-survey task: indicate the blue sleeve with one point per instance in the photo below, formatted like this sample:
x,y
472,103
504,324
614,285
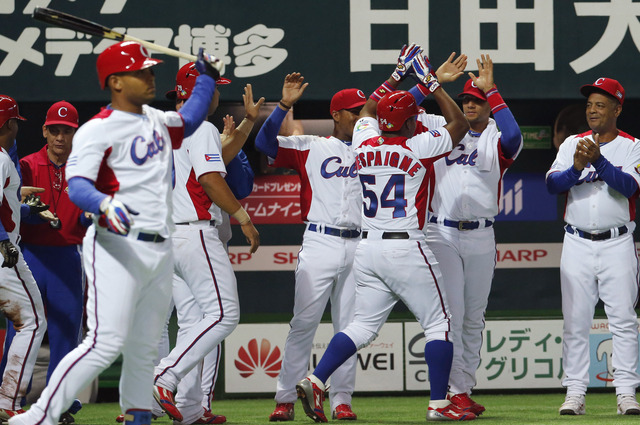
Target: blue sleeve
x,y
13,154
562,181
240,176
615,177
267,138
84,220
417,94
83,193
3,233
196,107
511,137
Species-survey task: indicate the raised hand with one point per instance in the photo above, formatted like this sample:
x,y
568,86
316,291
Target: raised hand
x,y
229,127
452,68
424,72
251,109
484,80
207,64
405,60
292,89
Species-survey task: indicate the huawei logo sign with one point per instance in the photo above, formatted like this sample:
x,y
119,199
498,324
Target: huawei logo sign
x,y
253,358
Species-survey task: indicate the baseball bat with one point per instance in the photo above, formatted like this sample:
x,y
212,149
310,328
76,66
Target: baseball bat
x,y
75,23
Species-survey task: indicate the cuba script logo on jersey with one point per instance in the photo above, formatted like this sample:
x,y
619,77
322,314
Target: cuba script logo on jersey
x,y
457,156
141,150
328,169
253,357
212,157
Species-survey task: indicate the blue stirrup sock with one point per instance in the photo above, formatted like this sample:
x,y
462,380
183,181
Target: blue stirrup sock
x,y
439,355
137,417
339,350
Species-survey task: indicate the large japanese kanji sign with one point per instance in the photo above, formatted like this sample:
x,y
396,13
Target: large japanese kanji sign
x,y
541,48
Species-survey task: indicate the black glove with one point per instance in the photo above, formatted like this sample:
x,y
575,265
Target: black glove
x,y
9,252
207,64
35,204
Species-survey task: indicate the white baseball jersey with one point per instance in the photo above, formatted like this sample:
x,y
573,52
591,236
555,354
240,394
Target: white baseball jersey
x,y
199,154
135,169
392,171
591,205
326,167
462,190
9,196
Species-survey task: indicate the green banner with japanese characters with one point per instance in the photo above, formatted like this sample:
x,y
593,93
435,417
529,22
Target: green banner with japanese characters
x,y
541,48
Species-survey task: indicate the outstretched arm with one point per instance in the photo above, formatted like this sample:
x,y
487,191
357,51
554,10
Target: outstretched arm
x,y
233,143
292,90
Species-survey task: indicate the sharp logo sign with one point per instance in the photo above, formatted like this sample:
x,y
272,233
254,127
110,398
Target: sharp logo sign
x,y
253,359
525,198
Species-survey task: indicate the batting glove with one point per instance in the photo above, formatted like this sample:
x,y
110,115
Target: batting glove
x,y
407,54
117,215
9,252
35,204
424,72
207,64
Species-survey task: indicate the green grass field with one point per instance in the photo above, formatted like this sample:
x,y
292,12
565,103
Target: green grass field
x,y
501,409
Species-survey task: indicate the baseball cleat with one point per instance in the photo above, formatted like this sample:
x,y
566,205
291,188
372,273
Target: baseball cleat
x,y
66,419
573,405
209,418
465,402
311,393
283,412
450,412
343,412
164,397
628,405
120,419
5,414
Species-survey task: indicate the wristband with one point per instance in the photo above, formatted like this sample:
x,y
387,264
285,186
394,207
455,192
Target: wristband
x,y
384,89
284,106
242,216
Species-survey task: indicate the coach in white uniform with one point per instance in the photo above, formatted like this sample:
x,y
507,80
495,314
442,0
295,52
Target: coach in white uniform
x,y
120,168
600,172
330,203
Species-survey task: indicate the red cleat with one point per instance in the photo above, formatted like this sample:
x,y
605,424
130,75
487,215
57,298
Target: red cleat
x,y
311,393
209,418
451,412
343,412
164,397
283,412
465,402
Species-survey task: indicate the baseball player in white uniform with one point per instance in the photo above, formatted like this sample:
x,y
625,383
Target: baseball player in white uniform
x,y
393,261
461,215
20,299
204,284
600,172
330,207
120,167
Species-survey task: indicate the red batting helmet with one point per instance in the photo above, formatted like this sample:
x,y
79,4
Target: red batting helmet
x,y
9,109
125,56
186,81
394,109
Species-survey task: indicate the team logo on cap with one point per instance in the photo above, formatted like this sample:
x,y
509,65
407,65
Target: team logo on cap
x,y
143,51
61,110
618,94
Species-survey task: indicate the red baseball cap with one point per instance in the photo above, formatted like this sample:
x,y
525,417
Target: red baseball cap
x,y
62,113
9,109
472,90
347,99
186,81
607,85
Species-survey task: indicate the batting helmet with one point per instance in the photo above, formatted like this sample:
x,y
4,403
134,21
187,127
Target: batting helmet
x,y
125,56
9,109
186,81
394,109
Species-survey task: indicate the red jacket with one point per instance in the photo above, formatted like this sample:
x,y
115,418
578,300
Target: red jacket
x,y
37,170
